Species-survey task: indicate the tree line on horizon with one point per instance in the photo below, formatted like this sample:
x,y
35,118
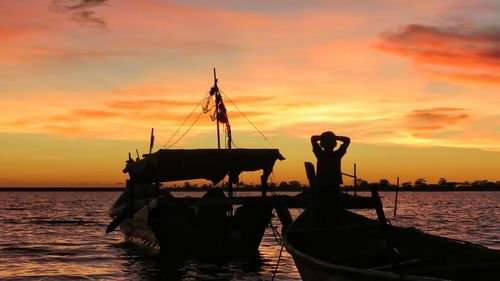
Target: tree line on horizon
x,y
420,183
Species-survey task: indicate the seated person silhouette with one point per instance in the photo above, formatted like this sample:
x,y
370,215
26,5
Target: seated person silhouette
x,y
328,174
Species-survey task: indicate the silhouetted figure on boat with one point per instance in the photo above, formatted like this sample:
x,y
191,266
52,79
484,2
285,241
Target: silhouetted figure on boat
x,y
328,173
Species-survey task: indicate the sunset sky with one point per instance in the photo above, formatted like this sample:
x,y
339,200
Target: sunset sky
x,y
415,84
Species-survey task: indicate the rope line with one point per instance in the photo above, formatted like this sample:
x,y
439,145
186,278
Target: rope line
x,y
234,144
206,109
246,117
279,240
184,122
278,263
274,228
196,120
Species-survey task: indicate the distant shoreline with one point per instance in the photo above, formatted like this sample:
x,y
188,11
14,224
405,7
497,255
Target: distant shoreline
x,y
244,189
37,189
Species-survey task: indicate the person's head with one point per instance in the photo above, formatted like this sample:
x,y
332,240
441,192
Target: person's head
x,y
328,140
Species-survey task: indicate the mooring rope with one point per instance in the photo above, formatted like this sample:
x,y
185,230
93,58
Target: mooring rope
x,y
279,240
276,233
278,263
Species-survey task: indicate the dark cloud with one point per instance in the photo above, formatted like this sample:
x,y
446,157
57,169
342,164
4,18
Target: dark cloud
x,y
436,118
81,11
460,52
417,33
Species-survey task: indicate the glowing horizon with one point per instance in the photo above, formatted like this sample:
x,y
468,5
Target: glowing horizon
x,y
416,90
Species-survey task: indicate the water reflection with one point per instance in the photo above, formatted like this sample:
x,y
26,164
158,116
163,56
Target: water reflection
x,y
145,264
141,263
60,236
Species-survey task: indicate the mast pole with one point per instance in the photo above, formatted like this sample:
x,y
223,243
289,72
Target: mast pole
x,y
355,180
151,141
217,102
396,197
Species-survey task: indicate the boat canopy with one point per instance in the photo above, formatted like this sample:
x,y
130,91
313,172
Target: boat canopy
x,y
212,164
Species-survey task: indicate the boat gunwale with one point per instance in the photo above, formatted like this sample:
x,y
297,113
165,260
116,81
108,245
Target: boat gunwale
x,y
343,269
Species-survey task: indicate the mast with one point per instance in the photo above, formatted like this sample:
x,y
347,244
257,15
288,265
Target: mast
x,y
217,101
151,141
220,113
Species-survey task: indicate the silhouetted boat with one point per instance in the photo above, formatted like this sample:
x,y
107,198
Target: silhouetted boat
x,y
215,225
343,245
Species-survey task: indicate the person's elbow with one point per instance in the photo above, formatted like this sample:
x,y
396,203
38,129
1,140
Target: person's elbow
x,y
345,140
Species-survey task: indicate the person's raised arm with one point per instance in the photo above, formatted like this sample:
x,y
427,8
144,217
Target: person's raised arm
x,y
314,141
345,141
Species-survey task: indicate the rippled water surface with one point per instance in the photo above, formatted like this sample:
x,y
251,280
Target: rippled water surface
x,y
60,236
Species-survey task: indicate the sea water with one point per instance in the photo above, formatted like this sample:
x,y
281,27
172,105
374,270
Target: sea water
x,y
60,236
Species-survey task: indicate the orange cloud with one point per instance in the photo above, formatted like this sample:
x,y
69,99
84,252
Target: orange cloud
x,y
146,103
117,118
468,52
436,118
467,77
250,99
67,130
94,113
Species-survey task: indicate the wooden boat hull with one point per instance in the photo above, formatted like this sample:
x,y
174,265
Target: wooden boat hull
x,y
312,269
210,232
201,227
136,229
355,249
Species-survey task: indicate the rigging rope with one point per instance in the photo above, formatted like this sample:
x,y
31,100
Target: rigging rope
x,y
234,144
184,122
196,120
246,117
207,105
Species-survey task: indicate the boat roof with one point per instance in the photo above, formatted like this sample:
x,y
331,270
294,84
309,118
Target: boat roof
x,y
211,164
